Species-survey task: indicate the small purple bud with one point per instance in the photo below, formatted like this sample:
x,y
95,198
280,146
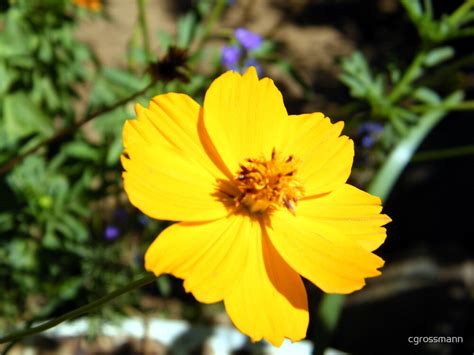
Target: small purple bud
x,y
230,57
120,214
111,232
370,127
248,39
369,132
143,220
367,141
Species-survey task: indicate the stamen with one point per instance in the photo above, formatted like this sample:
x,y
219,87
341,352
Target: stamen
x,y
265,185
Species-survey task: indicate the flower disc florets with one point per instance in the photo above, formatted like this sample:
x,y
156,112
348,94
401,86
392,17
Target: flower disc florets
x,y
265,185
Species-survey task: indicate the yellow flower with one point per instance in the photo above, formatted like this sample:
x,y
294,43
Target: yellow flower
x,y
262,199
92,5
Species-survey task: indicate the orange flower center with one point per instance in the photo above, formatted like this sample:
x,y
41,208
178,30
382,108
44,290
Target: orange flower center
x,y
265,185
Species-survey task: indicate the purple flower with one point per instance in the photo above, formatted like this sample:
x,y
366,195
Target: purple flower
x,y
231,57
371,127
367,141
248,39
111,232
369,133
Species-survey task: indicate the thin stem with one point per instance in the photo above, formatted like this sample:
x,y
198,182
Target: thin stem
x,y
410,75
210,21
329,312
443,153
428,9
69,130
144,27
458,14
79,311
9,347
386,177
462,106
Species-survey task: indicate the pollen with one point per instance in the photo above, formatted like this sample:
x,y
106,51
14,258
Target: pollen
x,y
265,185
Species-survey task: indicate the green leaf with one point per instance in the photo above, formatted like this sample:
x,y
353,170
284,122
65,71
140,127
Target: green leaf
x,y
77,230
23,118
50,94
45,53
204,7
50,239
10,46
164,285
438,55
413,7
59,189
165,40
21,254
69,288
111,123
7,77
114,151
124,79
6,221
426,95
81,150
186,30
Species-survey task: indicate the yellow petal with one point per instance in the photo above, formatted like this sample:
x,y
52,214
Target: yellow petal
x,y
207,255
244,116
326,157
269,299
322,254
168,173
230,259
351,211
171,120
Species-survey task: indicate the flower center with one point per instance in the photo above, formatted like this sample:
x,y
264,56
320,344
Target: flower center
x,y
265,185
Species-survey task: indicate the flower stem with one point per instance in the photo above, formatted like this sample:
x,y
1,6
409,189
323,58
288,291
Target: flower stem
x,y
329,311
410,75
461,106
78,311
144,27
457,15
455,152
210,22
386,177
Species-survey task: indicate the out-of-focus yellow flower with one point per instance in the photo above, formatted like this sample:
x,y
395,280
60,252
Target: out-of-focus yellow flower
x,y
92,5
261,197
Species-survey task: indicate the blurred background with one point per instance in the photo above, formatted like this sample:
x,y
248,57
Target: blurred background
x,y
398,72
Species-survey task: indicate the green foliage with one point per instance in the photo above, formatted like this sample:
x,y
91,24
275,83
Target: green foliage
x,y
392,96
40,65
58,202
433,31
52,246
